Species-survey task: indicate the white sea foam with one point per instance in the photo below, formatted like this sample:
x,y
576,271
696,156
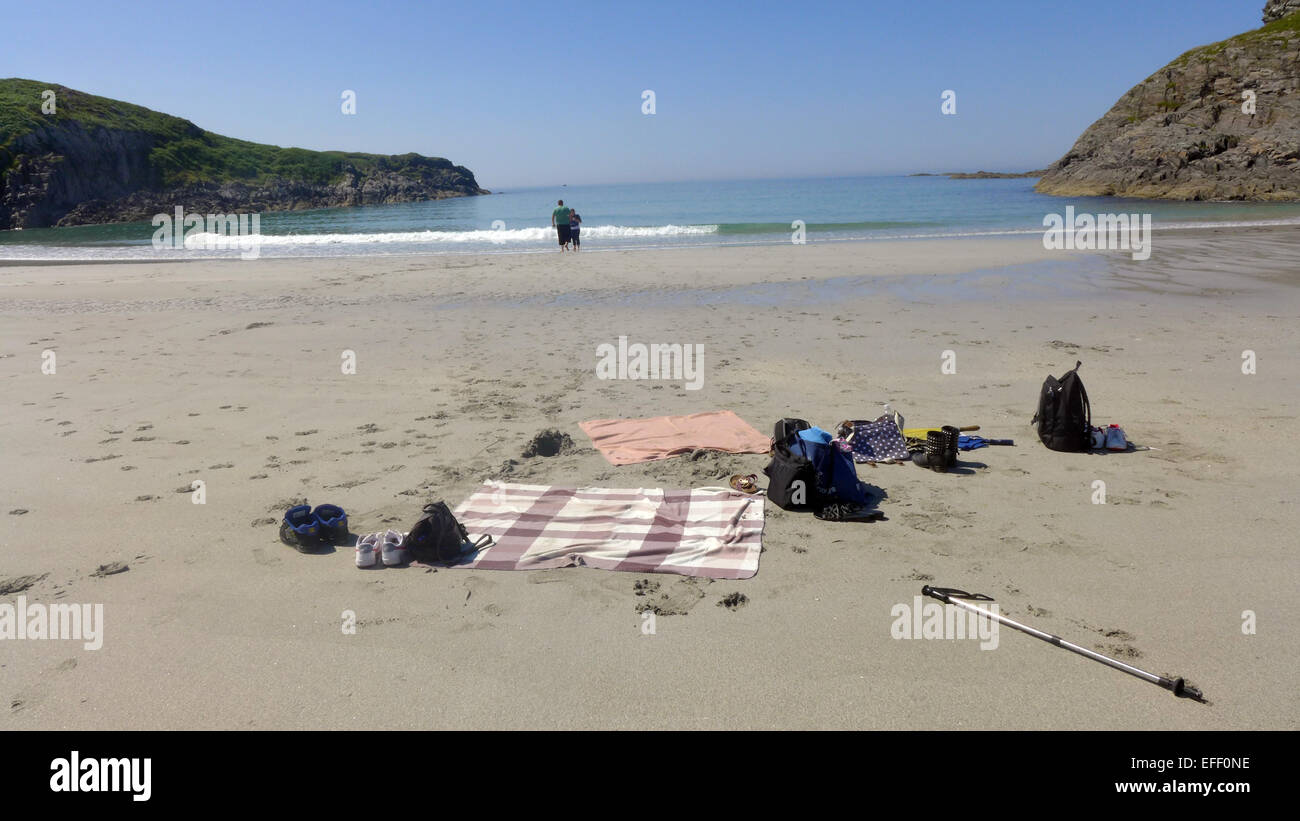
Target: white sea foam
x,y
521,240
504,236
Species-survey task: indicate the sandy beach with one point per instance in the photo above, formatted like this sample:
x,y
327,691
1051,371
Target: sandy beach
x,y
230,373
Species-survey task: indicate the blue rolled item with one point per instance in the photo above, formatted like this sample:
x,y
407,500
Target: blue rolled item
x,y
971,442
837,476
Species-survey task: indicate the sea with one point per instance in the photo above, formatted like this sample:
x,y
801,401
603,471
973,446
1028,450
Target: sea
x,y
651,216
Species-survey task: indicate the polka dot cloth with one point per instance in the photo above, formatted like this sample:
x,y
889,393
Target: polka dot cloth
x,y
878,441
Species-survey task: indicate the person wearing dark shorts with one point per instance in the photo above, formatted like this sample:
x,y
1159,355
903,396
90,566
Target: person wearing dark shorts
x,y
575,224
560,219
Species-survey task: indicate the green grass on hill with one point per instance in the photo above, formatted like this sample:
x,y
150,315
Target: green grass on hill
x,y
1288,27
184,153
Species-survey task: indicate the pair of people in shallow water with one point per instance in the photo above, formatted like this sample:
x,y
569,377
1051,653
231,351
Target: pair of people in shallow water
x,y
568,225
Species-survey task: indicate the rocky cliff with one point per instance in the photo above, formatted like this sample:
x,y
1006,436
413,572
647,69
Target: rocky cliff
x,y
1220,122
1277,9
95,160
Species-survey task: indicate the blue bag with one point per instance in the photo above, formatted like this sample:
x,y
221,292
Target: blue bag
x,y
837,477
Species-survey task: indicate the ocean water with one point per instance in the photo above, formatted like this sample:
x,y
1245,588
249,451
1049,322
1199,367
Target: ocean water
x,y
653,215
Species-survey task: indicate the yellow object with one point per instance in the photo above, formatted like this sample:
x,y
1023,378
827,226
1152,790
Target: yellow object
x,y
921,433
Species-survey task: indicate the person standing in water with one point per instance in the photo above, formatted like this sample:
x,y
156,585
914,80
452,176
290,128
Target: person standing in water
x,y
575,223
560,219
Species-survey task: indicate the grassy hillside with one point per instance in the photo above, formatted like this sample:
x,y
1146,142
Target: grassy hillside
x,y
1266,35
184,153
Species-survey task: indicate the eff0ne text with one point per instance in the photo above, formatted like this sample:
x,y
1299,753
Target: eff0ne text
x,y
1162,764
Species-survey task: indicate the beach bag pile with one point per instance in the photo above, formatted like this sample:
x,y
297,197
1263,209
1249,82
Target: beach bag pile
x,y
809,471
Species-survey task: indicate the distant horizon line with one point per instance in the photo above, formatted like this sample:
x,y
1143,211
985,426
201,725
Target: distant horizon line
x,y
500,189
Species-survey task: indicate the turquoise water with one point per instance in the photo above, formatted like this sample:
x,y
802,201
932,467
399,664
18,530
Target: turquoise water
x,y
653,215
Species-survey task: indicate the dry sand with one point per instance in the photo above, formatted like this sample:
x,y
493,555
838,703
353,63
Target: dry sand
x,y
230,373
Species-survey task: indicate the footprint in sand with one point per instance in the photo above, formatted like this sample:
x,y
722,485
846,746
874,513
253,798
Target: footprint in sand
x,y
110,569
33,696
1124,651
734,601
674,599
477,585
17,584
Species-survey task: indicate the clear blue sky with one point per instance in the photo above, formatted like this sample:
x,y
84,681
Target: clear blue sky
x,y
545,93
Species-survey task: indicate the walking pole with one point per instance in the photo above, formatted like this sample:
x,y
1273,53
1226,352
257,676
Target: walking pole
x,y
951,595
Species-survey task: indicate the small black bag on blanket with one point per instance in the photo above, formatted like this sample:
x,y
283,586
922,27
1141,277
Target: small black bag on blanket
x,y
439,537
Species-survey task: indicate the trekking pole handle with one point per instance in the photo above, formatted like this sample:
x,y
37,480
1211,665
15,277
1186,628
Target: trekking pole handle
x,y
943,594
935,593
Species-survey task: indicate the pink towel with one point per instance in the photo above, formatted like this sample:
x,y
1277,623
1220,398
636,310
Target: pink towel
x,y
628,441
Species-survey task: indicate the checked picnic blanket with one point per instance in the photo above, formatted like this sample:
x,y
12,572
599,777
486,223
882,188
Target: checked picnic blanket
x,y
712,532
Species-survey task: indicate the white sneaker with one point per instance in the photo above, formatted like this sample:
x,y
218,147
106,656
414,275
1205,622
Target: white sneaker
x,y
393,551
367,547
1115,438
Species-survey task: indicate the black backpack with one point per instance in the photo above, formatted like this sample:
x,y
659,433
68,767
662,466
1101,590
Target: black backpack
x,y
1064,416
438,537
792,477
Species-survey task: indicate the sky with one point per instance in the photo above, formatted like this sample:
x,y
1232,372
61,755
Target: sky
x,y
541,94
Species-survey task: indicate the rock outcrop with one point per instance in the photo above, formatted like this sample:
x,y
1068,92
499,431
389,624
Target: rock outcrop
x,y
101,161
1277,9
1221,122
